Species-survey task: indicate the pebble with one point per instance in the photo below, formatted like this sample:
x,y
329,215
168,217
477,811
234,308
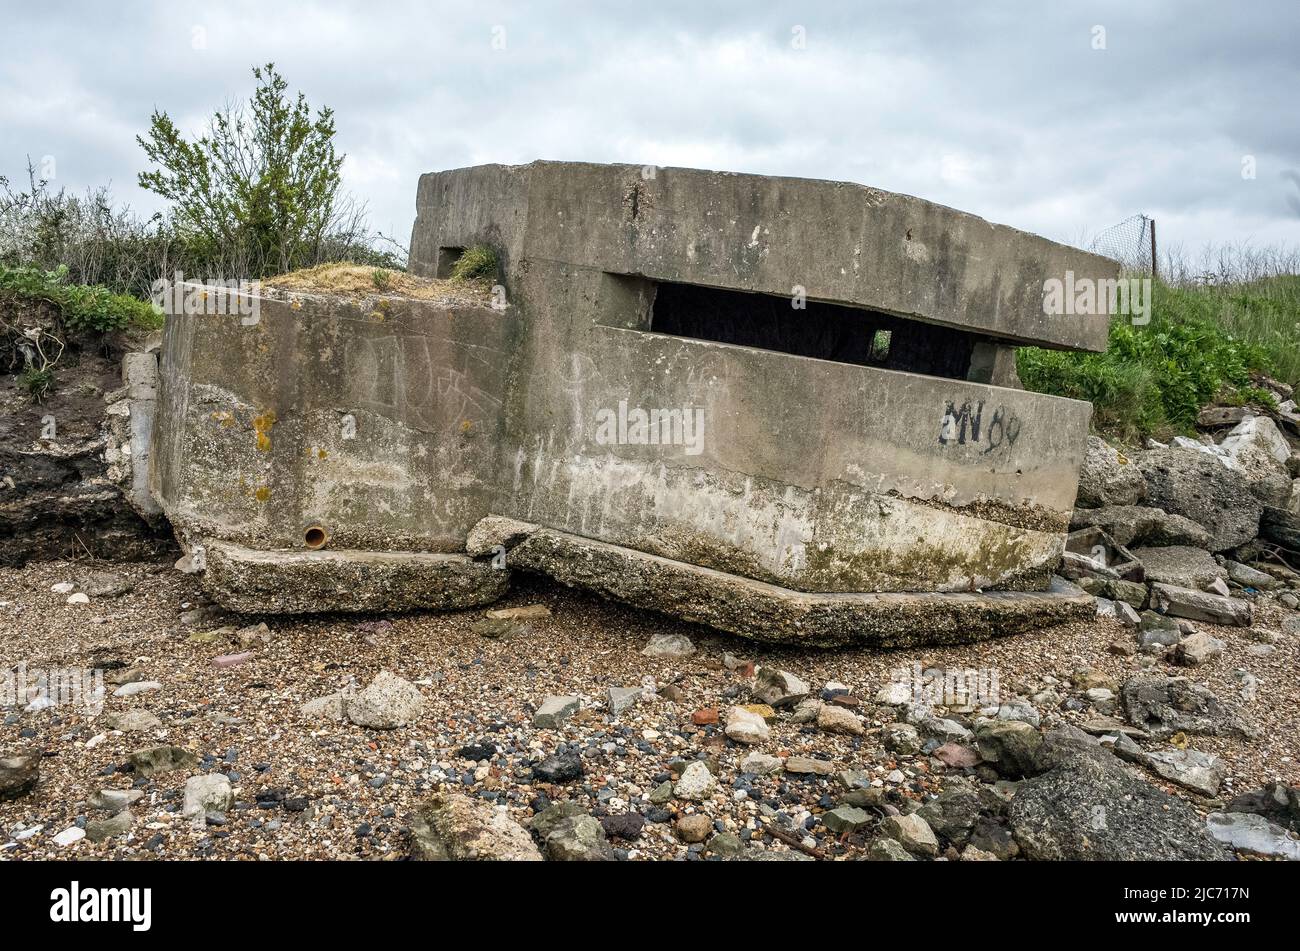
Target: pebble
x,y
669,645
833,719
554,711
807,764
69,836
694,828
695,783
747,727
911,832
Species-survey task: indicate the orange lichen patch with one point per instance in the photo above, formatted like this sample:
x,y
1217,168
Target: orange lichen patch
x,y
262,493
224,418
262,426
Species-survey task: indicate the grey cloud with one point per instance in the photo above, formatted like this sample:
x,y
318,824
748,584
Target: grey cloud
x,y
999,108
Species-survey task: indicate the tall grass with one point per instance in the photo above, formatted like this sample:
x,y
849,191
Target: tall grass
x,y
1253,292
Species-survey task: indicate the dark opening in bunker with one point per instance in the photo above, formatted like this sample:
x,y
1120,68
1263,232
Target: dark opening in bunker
x,y
822,331
447,258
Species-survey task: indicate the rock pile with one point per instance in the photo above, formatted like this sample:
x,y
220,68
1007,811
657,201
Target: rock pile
x,y
1204,524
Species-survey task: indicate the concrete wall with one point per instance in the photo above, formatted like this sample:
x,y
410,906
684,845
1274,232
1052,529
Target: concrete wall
x,y
815,475
380,426
843,243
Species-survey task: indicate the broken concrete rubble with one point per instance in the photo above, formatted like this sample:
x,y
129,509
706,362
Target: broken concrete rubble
x,y
1142,525
326,458
1179,565
1087,807
1200,605
1108,477
1091,553
1201,488
1164,706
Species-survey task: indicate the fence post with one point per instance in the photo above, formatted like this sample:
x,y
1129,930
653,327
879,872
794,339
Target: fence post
x,y
1153,247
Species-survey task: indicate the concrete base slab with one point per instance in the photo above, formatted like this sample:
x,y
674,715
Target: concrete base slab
x,y
305,582
767,612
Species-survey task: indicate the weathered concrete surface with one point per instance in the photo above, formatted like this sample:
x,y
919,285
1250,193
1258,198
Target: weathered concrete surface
x,y
130,427
397,427
376,424
844,243
766,612
866,498
307,582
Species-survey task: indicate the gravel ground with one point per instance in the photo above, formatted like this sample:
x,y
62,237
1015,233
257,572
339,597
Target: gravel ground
x,y
310,789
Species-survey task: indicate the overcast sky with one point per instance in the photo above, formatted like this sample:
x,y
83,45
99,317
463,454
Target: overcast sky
x,y
1005,109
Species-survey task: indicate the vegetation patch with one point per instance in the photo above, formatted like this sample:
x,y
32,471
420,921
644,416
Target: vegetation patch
x,y
84,308
478,263
359,281
1201,345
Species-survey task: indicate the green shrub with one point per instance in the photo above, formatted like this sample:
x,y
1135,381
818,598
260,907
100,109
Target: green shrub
x,y
84,309
37,382
263,179
1153,379
478,263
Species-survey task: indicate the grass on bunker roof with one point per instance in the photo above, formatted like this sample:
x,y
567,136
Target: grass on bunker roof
x,y
344,279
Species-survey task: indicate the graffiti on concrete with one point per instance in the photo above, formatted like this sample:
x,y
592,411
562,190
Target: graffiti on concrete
x,y
965,425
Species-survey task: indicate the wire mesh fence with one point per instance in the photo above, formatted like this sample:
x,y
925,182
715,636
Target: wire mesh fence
x,y
1131,243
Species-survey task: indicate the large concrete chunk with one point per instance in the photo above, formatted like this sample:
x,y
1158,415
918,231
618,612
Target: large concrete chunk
x,y
1200,487
1200,605
766,612
456,828
306,582
1089,808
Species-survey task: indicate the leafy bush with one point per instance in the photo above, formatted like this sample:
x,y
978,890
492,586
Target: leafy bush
x,y
84,309
271,175
474,264
1153,379
38,383
264,180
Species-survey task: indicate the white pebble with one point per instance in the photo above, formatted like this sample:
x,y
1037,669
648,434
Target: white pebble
x,y
68,836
